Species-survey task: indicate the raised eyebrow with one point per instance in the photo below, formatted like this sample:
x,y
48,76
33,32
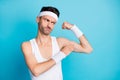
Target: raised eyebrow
x,y
53,22
46,18
49,20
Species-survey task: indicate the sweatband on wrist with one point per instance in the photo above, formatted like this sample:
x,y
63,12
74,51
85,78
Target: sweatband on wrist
x,y
77,31
58,57
48,13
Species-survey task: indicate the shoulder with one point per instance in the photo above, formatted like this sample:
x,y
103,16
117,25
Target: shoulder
x,y
62,40
26,46
25,43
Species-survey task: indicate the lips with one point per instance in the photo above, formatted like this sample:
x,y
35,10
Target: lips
x,y
47,29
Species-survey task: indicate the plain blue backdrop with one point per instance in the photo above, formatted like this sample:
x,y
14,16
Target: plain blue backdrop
x,y
98,19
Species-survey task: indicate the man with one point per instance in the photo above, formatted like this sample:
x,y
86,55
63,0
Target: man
x,y
44,53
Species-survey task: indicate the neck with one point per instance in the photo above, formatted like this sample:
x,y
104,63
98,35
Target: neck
x,y
43,39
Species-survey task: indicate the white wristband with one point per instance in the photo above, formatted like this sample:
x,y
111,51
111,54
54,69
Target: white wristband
x,y
58,57
77,31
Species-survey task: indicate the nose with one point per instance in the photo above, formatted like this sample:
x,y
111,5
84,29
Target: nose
x,y
50,24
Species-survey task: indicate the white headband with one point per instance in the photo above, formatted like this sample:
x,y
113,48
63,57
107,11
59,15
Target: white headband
x,y
48,13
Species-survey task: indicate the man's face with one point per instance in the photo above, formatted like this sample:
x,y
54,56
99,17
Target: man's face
x,y
46,24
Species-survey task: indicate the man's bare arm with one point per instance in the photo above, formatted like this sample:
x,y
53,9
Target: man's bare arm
x,y
39,68
35,67
83,46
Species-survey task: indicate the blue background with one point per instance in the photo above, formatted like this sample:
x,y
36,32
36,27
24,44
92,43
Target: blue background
x,y
98,19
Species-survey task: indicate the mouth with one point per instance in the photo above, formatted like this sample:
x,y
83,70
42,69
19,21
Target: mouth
x,y
48,29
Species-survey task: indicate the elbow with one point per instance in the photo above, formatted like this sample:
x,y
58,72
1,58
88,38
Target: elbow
x,y
36,72
89,51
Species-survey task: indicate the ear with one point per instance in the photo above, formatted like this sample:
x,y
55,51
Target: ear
x,y
37,19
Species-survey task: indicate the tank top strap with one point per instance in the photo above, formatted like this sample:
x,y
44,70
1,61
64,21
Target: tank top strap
x,y
55,45
35,51
33,46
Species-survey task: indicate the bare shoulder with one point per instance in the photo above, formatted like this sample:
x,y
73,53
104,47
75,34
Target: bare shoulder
x,y
26,46
63,42
61,39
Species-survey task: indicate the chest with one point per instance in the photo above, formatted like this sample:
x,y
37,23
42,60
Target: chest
x,y
46,51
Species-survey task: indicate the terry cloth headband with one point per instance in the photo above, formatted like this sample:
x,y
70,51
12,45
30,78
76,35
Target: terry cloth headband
x,y
48,13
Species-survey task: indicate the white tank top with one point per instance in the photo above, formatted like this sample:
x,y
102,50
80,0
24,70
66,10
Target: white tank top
x,y
54,73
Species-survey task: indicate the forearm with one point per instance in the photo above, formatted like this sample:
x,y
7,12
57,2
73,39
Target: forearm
x,y
40,68
84,44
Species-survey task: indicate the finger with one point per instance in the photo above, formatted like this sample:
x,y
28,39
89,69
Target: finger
x,y
63,27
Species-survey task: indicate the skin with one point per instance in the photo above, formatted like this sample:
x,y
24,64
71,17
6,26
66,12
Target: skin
x,y
45,26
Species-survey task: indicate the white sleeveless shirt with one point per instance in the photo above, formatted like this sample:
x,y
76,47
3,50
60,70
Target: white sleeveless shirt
x,y
54,73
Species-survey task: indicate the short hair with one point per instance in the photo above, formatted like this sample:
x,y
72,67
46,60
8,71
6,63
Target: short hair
x,y
52,9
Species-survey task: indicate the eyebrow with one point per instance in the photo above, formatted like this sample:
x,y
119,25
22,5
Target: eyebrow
x,y
50,20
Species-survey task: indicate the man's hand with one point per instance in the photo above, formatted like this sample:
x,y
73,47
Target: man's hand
x,y
67,25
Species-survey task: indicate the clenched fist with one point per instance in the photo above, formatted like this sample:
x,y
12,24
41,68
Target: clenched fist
x,y
67,25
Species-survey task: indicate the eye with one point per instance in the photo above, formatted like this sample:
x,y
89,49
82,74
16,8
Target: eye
x,y
53,23
46,19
